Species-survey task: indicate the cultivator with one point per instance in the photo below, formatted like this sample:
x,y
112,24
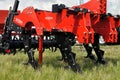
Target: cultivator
x,y
32,28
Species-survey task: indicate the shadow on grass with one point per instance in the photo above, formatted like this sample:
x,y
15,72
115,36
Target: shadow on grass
x,y
52,61
85,64
114,61
88,65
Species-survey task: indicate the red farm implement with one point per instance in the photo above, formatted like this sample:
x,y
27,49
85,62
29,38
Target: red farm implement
x,y
58,28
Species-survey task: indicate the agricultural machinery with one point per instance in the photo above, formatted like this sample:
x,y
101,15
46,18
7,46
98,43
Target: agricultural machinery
x,y
57,29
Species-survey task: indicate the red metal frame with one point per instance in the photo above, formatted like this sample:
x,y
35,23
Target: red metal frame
x,y
40,49
3,15
83,25
80,24
96,6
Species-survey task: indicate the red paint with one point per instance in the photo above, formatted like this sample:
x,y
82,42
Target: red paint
x,y
40,49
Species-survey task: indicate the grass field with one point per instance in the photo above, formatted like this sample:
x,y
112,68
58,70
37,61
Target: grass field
x,y
12,68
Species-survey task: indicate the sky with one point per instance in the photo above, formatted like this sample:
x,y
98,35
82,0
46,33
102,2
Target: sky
x,y
112,5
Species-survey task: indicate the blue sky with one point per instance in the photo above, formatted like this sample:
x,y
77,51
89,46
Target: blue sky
x,y
113,6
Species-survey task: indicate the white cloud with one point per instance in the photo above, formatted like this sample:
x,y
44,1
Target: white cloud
x,y
113,5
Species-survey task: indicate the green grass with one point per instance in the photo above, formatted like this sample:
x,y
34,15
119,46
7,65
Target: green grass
x,y
12,68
